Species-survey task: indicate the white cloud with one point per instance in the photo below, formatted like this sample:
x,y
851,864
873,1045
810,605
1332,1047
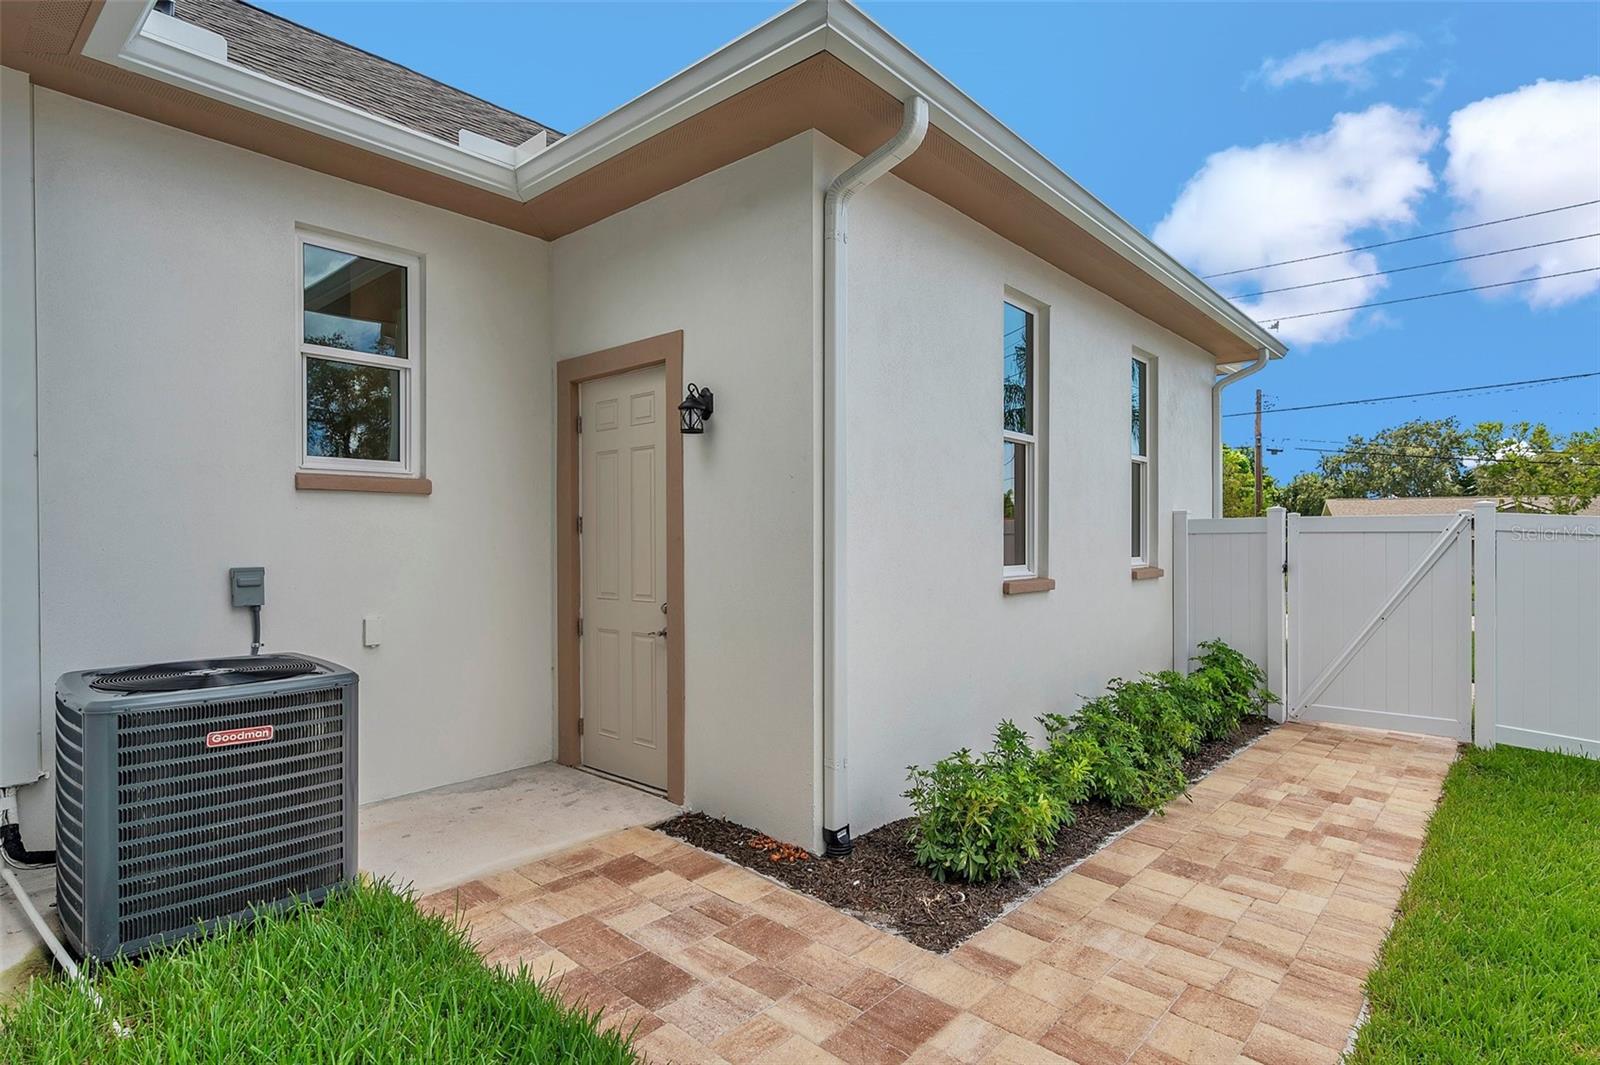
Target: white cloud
x,y
1531,149
1286,199
1348,61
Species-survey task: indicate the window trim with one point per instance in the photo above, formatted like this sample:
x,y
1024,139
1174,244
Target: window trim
x,y
410,368
1034,475
1144,559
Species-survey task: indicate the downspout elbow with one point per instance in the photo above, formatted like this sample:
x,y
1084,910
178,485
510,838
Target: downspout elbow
x,y
1263,356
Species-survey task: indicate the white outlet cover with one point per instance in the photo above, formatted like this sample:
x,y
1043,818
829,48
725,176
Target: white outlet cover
x,y
372,630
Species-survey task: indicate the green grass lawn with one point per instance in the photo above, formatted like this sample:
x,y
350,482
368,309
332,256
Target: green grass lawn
x,y
1496,954
364,979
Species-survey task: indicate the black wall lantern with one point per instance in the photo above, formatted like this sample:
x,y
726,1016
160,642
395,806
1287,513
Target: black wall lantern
x,y
694,410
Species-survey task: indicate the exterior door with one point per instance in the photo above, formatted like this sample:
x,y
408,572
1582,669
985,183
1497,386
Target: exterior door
x,y
623,549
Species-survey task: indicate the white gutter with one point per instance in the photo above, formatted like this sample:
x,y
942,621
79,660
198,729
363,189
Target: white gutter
x,y
1216,423
835,345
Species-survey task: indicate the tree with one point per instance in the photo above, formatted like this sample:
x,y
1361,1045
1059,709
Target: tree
x,y
1528,463
1239,484
1417,458
1305,493
350,407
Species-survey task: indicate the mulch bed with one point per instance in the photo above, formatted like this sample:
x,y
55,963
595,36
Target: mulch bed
x,y
882,883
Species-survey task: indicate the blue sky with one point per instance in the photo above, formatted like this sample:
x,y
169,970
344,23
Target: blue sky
x,y
1215,127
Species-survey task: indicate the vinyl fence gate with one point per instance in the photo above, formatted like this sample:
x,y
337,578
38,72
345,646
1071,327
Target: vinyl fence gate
x,y
1480,626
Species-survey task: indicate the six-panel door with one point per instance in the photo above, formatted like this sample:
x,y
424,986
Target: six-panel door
x,y
623,547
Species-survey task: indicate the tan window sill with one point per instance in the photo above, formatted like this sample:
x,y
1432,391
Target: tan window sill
x,y
1025,585
1148,573
353,482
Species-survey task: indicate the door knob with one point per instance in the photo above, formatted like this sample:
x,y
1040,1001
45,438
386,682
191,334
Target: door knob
x,y
659,632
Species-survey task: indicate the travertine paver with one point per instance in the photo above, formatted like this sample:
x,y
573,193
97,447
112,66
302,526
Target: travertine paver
x,y
1237,927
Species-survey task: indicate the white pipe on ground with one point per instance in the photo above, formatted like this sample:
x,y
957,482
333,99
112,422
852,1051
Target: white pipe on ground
x,y
53,944
1216,423
835,301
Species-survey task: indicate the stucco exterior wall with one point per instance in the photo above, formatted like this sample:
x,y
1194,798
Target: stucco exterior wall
x,y
937,655
168,395
730,259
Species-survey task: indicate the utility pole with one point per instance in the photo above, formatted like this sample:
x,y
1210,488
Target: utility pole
x,y
1259,509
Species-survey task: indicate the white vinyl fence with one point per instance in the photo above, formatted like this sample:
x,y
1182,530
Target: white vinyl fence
x,y
1381,621
1221,591
1538,631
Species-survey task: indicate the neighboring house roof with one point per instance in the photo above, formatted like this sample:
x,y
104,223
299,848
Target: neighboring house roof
x,y
290,52
1407,505
292,94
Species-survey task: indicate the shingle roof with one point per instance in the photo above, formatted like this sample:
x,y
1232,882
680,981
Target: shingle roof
x,y
289,52
1404,505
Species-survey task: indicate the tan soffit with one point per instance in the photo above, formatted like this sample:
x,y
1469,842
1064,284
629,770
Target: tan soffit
x,y
820,92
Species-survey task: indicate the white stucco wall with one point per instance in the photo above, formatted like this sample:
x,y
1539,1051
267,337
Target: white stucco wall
x,y
168,440
937,655
729,259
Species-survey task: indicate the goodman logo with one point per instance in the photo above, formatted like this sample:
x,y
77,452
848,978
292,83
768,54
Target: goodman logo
x,y
232,737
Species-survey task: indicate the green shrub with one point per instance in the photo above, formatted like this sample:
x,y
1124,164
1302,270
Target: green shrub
x,y
981,818
1235,686
1134,738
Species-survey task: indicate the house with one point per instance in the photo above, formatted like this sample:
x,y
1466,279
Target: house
x,y
1408,505
271,300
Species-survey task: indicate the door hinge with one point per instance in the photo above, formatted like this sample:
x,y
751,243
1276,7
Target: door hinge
x,y
580,726
580,423
580,626
580,524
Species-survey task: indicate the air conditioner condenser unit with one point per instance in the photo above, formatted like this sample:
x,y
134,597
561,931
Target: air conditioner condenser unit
x,y
194,793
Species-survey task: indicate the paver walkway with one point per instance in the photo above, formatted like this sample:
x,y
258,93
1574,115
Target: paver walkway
x,y
1238,927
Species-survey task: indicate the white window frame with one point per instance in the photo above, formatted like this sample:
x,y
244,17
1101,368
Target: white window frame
x,y
1147,464
1033,477
410,367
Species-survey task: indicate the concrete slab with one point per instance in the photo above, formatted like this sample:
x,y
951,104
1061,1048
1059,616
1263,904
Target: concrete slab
x,y
435,839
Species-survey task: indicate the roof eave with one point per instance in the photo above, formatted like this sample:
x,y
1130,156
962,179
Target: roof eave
x,y
124,36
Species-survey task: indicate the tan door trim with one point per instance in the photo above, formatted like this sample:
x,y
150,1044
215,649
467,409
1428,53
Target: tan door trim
x,y
665,350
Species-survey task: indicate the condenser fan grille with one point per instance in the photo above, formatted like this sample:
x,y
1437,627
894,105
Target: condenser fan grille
x,y
203,673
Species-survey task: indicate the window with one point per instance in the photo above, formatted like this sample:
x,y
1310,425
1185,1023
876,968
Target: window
x,y
1019,471
1142,440
360,349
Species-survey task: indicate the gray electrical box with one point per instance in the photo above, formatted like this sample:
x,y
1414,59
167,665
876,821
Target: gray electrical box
x,y
248,585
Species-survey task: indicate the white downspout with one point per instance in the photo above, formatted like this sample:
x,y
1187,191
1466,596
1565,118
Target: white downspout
x,y
1262,355
835,301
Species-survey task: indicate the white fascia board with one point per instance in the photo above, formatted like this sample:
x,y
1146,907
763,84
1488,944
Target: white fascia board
x,y
872,52
122,38
792,35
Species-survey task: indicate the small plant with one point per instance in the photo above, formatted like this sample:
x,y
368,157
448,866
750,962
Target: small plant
x,y
1134,738
981,818
1235,688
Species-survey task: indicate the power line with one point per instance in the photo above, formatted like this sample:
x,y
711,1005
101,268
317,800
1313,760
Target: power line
x,y
1445,456
1399,240
1418,395
1418,266
1277,318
